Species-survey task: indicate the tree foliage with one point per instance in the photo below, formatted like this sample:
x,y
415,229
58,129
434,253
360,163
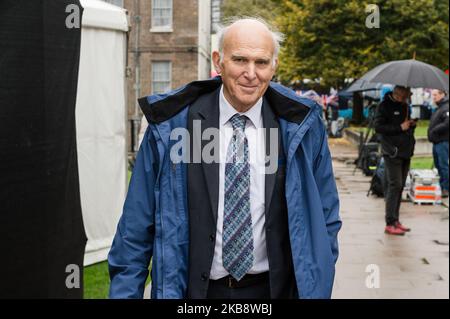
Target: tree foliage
x,y
328,41
266,9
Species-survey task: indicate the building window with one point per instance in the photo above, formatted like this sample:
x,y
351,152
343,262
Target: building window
x,y
161,77
161,15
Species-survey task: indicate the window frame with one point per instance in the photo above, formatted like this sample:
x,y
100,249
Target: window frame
x,y
165,28
169,77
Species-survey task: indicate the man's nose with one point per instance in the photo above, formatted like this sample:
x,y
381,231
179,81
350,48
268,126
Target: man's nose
x,y
250,72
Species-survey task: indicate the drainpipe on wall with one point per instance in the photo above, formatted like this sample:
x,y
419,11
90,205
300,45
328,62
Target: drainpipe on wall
x,y
136,119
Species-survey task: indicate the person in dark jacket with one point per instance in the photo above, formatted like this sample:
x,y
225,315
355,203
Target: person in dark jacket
x,y
438,135
396,130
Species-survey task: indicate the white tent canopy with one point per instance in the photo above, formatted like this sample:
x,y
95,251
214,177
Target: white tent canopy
x,y
99,14
101,124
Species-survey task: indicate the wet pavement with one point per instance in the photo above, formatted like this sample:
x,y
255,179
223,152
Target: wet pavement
x,y
375,265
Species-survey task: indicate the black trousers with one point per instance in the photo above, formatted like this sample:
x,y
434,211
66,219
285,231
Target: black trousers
x,y
396,170
217,289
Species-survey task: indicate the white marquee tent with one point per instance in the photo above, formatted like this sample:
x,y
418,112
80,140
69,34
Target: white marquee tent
x,y
101,123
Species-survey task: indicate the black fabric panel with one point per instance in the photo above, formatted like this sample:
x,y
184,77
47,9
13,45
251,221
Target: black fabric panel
x,y
41,226
162,110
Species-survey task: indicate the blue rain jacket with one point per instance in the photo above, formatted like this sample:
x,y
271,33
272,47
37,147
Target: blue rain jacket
x,y
154,226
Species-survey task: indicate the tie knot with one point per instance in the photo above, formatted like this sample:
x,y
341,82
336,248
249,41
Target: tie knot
x,y
238,121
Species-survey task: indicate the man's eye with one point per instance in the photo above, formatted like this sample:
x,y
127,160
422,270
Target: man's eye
x,y
262,62
239,59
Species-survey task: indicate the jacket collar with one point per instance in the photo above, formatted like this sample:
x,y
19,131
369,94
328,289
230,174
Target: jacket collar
x,y
295,114
443,102
284,102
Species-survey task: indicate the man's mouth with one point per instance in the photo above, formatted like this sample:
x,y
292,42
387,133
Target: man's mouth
x,y
248,88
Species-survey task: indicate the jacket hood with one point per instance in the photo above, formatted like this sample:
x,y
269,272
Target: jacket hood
x,y
389,98
284,102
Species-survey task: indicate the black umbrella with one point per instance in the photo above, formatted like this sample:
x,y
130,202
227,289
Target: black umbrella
x,y
408,73
361,85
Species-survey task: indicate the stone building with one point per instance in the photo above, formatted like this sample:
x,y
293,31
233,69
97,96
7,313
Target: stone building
x,y
169,45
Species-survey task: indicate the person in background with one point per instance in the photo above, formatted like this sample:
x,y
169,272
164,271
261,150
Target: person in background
x,y
438,135
396,129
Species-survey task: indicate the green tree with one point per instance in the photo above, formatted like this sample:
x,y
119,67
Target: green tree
x,y
266,9
328,40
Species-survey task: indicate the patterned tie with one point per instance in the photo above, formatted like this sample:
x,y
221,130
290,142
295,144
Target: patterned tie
x,y
237,248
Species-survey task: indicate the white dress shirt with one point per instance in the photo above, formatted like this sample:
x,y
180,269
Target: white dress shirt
x,y
256,146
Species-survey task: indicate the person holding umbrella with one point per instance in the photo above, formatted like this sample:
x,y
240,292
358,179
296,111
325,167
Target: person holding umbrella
x,y
438,135
396,129
394,125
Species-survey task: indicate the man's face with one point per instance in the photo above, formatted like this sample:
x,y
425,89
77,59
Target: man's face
x,y
247,66
402,95
437,96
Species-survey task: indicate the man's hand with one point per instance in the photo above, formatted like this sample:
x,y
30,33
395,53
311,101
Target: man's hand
x,y
406,125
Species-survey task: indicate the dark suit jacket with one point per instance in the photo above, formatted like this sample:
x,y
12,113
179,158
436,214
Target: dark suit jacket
x,y
203,197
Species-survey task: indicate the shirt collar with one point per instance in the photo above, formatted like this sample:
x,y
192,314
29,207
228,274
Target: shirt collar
x,y
227,111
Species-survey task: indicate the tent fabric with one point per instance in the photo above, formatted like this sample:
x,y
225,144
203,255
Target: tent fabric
x,y
42,238
99,14
101,127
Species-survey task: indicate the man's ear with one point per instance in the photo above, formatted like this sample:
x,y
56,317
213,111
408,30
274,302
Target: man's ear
x,y
216,61
275,66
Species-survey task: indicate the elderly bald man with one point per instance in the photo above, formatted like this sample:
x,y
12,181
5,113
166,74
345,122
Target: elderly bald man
x,y
233,194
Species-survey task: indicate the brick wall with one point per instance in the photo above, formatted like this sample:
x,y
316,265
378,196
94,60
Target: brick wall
x,y
179,46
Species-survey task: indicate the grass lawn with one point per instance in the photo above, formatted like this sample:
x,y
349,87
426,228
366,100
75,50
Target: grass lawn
x,y
421,129
96,281
422,162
